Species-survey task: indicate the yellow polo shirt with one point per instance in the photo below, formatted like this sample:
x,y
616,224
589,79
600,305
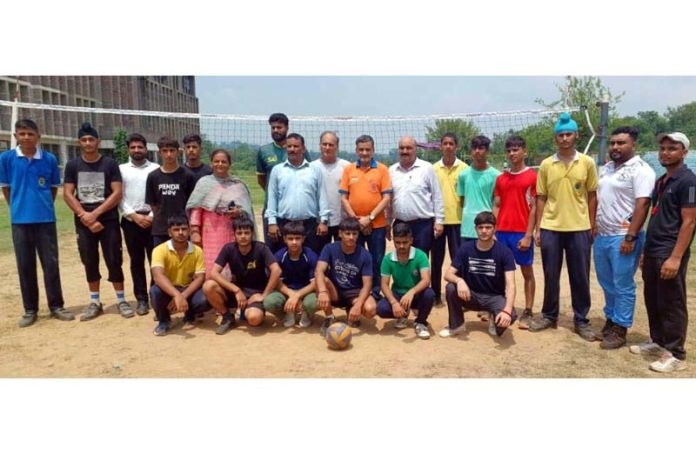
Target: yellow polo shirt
x,y
566,188
448,186
179,272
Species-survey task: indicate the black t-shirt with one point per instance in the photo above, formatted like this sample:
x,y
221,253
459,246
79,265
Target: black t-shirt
x,y
484,271
92,182
669,197
199,172
248,271
169,192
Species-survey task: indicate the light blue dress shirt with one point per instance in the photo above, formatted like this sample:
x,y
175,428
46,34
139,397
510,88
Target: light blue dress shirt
x,y
296,193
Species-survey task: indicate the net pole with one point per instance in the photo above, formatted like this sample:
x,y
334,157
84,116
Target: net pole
x,y
13,119
603,127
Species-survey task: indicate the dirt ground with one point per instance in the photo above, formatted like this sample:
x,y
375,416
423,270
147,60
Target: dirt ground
x,y
111,346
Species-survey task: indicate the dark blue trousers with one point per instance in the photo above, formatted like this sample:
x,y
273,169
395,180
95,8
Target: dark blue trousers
x,y
450,235
423,302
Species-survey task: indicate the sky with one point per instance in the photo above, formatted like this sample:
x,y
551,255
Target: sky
x,y
420,95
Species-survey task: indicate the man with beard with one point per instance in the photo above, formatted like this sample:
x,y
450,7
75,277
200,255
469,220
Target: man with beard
x,y
136,216
268,157
192,150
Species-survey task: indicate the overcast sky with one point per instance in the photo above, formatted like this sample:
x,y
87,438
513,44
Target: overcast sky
x,y
415,95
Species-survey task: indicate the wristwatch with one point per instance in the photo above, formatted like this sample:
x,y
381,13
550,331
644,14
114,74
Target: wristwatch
x,y
371,217
325,222
630,238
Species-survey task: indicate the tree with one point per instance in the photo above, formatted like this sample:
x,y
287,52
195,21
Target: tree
x,y
120,146
465,130
682,119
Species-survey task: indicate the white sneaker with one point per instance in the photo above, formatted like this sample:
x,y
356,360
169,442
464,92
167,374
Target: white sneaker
x,y
646,348
491,325
449,332
289,320
668,363
401,323
305,320
422,331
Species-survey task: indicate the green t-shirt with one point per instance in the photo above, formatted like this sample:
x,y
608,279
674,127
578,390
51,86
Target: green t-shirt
x,y
268,157
476,186
404,276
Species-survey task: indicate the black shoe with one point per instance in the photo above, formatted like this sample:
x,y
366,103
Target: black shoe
x,y
608,325
189,320
542,324
615,338
226,324
585,331
28,319
142,308
62,314
355,324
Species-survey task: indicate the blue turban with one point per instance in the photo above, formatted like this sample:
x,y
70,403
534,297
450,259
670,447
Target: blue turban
x,y
565,124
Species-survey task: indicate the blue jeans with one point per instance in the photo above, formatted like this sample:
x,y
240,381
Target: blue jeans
x,y
160,300
376,244
30,240
615,273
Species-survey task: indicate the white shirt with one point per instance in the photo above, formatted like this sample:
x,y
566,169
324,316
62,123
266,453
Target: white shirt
x,y
617,193
332,180
417,192
134,179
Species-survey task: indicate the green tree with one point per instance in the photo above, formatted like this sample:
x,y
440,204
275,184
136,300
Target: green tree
x,y
120,147
465,130
682,119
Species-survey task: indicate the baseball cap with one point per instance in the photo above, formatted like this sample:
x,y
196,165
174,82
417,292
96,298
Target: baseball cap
x,y
675,136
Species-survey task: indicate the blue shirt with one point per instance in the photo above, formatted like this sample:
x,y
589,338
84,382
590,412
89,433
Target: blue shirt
x,y
296,193
30,182
346,270
297,273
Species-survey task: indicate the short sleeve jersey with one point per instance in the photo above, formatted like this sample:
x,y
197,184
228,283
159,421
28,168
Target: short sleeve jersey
x,y
448,178
346,270
404,276
199,172
268,157
297,273
484,271
516,192
250,270
92,182
169,192
179,271
365,188
476,186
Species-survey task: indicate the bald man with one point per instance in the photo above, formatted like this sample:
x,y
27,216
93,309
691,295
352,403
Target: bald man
x,y
417,197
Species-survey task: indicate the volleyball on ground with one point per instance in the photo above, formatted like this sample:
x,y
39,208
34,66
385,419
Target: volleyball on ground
x,y
338,336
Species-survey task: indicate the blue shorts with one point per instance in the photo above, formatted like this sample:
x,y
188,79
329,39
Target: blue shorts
x,y
510,239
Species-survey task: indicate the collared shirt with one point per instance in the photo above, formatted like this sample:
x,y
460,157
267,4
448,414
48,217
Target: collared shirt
x,y
618,190
416,192
565,188
669,197
407,275
296,193
447,177
332,180
134,185
30,182
180,272
476,186
365,188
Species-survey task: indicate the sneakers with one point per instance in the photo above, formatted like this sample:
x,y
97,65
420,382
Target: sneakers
x,y
189,321
305,320
91,312
646,348
162,328
125,309
491,326
668,363
328,320
585,331
401,322
28,319
62,314
542,324
142,308
226,324
526,319
289,320
422,331
614,338
451,332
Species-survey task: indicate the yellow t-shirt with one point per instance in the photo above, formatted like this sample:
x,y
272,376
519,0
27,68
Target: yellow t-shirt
x,y
179,272
448,187
566,188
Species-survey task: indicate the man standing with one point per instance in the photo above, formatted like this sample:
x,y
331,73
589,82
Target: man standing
x,y
29,178
296,193
417,200
168,189
192,150
514,207
331,168
666,256
566,207
447,170
623,200
93,191
268,157
366,191
136,216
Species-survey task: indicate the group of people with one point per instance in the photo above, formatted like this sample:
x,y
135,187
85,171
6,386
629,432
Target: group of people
x,y
326,224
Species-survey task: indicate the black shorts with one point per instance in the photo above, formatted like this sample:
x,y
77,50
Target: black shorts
x,y
346,298
232,299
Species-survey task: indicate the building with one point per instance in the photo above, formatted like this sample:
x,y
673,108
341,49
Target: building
x,y
59,129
